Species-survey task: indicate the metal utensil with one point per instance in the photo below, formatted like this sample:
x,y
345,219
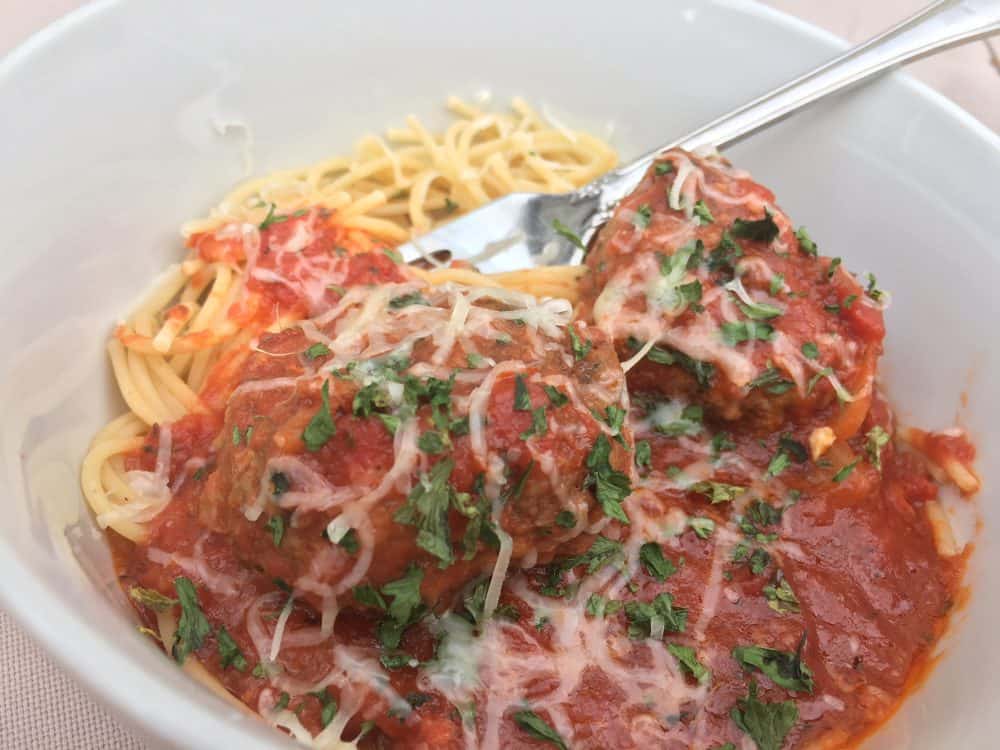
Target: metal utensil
x,y
522,227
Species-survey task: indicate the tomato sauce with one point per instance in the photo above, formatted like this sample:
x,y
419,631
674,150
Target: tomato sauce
x,y
757,533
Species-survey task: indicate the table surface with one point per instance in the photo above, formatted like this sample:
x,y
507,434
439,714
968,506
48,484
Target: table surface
x,y
40,706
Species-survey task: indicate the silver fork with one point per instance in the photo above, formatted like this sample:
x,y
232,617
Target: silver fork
x,y
529,229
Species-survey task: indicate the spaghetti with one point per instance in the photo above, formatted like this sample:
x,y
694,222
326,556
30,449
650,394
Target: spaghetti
x,y
386,506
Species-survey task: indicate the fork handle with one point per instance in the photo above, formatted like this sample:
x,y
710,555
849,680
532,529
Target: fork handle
x,y
942,24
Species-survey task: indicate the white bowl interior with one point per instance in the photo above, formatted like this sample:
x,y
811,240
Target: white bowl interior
x,y
109,143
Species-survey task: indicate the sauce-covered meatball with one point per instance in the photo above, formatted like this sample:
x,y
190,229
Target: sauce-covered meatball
x,y
451,429
702,278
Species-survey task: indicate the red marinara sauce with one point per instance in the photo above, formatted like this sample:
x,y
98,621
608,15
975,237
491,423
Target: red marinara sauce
x,y
756,580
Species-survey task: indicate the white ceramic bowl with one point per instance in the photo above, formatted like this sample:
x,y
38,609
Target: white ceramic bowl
x,y
107,143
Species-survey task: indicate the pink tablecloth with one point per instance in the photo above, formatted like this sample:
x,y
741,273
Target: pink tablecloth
x,y
40,707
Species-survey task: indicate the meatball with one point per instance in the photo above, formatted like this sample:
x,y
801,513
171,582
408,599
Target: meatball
x,y
710,295
412,426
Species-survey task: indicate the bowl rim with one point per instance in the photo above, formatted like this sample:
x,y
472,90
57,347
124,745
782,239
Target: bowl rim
x,y
51,618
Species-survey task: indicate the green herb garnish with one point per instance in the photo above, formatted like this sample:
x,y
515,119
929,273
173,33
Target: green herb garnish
x,y
652,559
321,427
192,627
538,728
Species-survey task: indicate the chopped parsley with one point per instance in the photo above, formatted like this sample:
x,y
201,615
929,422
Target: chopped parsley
x,y
564,231
721,443
845,471
689,422
405,608
810,350
746,330
756,558
806,244
657,615
369,596
273,218
477,511
785,669
771,381
760,515
664,167
779,462
598,606
426,509
760,230
690,293
432,442
777,283
759,310
702,527
395,659
349,542
787,449
522,399
317,350
653,561
702,371
556,397
602,552
538,728
832,268
611,486
643,454
767,724
581,347
764,514
566,519
723,258
718,492
539,424
872,290
229,651
321,427
687,657
642,216
702,212
192,627
329,706
615,418
276,525
781,598
687,257
405,300
282,702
